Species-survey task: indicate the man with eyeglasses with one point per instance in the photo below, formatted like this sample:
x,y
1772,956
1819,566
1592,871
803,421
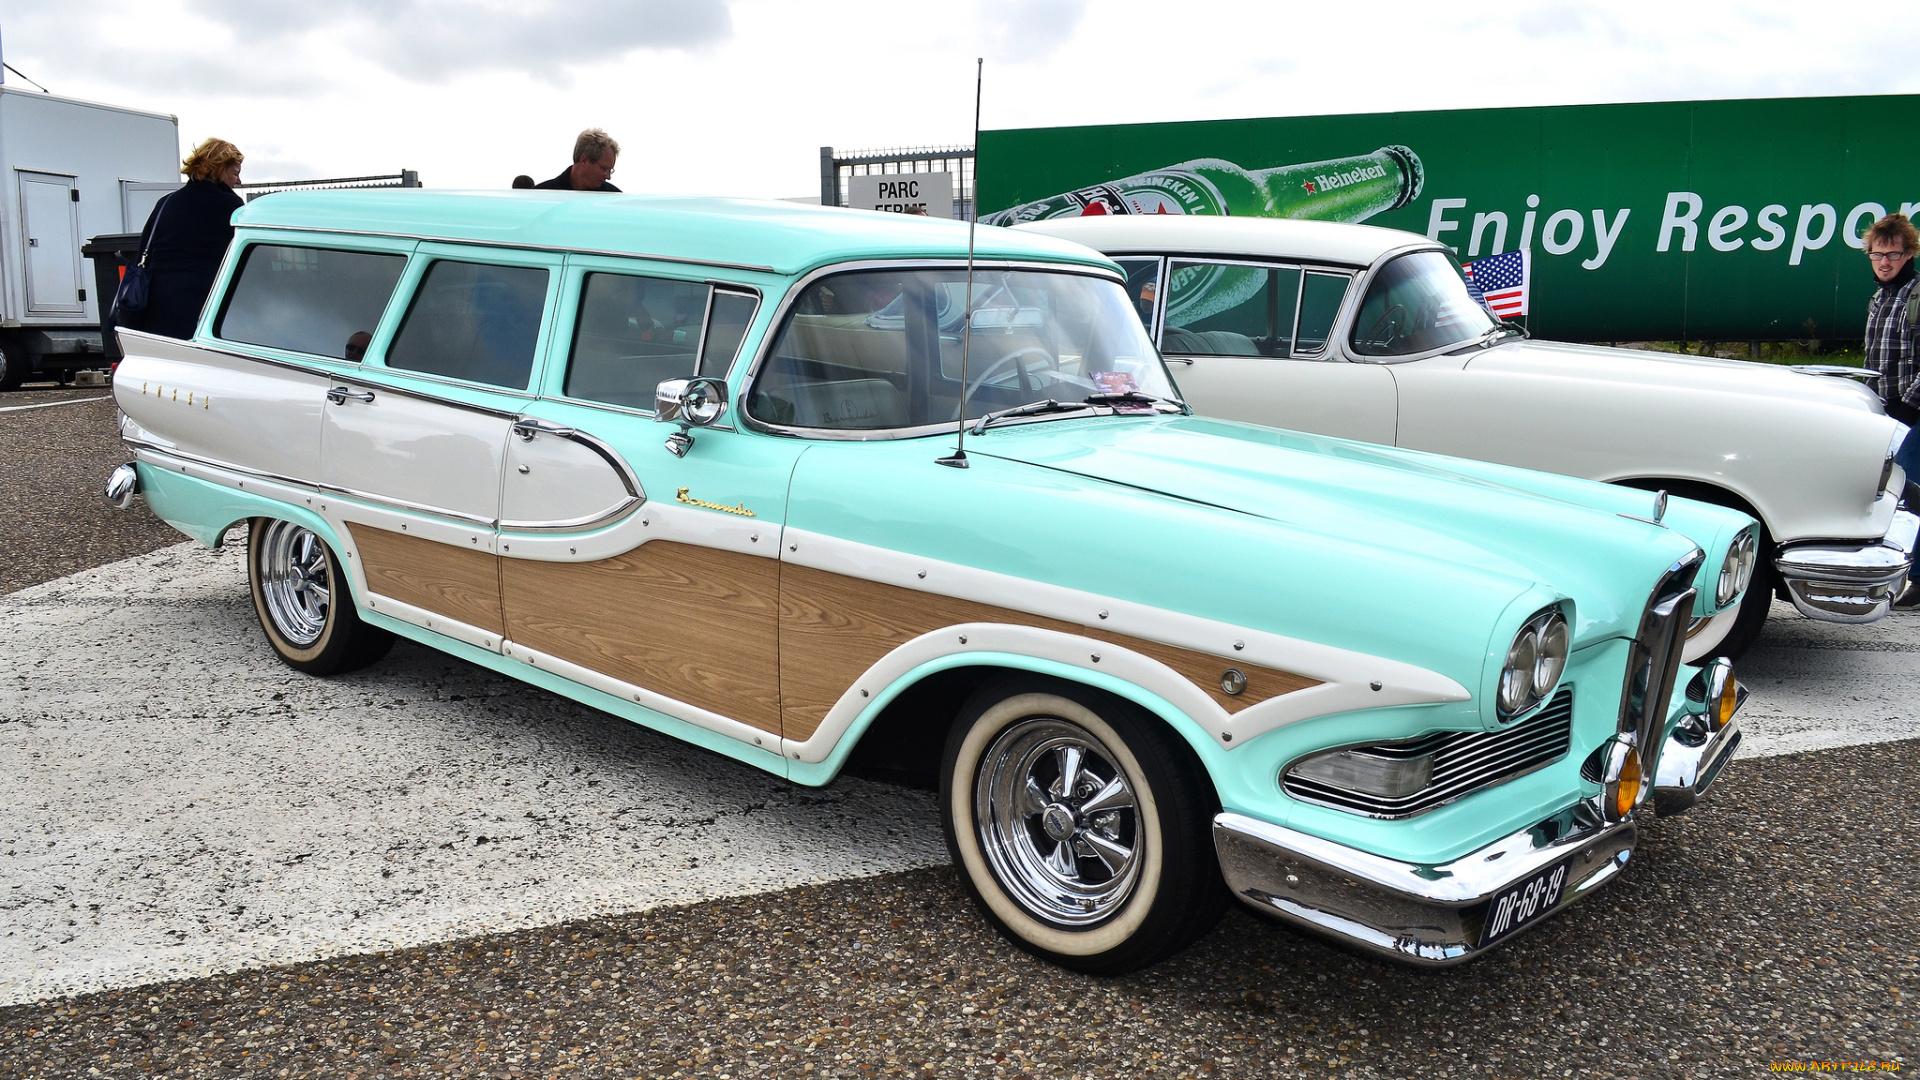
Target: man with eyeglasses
x,y
1892,317
594,153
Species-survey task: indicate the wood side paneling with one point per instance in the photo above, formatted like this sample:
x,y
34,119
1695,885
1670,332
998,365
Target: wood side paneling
x,y
692,623
832,628
461,584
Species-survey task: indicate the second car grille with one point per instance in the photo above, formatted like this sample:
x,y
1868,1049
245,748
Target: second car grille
x,y
1463,762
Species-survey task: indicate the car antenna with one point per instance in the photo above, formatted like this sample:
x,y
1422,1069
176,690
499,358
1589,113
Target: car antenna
x,y
958,460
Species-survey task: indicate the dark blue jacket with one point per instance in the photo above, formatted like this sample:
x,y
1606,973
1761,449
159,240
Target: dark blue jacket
x,y
185,238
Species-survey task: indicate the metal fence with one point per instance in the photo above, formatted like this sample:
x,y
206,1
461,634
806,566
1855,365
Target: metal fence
x,y
958,160
403,178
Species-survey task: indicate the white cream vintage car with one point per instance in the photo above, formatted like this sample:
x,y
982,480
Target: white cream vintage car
x,y
1370,334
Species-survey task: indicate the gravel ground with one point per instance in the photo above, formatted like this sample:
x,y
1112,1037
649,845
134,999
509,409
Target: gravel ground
x,y
53,521
1777,922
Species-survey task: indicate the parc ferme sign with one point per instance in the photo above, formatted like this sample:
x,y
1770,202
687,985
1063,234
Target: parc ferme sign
x,y
898,192
1704,220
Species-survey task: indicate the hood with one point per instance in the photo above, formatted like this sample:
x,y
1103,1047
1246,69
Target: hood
x,y
1375,498
1676,371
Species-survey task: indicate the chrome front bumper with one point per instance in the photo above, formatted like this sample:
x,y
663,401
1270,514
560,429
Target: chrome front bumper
x,y
1435,914
1849,583
1429,915
1691,761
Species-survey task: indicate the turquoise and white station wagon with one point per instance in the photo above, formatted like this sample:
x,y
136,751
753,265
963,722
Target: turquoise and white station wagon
x,y
693,462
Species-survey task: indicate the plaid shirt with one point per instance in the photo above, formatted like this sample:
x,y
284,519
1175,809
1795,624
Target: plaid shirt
x,y
1889,344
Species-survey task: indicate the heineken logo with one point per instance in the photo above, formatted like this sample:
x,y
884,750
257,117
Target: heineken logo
x,y
1327,182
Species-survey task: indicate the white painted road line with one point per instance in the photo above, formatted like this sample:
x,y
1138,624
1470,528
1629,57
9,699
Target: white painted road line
x,y
180,803
51,404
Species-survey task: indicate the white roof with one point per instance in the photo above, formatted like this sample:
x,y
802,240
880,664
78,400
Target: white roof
x,y
1314,241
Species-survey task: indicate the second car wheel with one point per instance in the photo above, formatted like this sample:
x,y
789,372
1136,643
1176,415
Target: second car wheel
x,y
304,604
1081,824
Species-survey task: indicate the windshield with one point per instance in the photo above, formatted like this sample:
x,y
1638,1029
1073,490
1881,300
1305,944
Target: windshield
x,y
1415,304
876,349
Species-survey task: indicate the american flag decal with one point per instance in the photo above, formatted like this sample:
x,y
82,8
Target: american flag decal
x,y
1499,282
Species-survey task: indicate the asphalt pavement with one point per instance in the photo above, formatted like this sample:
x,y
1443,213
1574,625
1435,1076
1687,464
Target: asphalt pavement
x,y
428,869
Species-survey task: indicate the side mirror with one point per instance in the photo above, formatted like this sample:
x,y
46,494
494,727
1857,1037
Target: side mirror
x,y
690,402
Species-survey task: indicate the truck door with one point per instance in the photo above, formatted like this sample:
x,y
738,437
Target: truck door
x,y
50,224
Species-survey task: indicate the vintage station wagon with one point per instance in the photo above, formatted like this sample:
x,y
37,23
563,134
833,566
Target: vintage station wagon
x,y
693,462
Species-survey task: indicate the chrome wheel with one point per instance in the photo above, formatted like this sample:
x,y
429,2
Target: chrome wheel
x,y
1058,821
295,582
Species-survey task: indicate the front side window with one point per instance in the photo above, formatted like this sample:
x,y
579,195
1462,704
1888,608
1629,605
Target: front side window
x,y
1415,304
317,301
1230,309
876,349
634,333
474,322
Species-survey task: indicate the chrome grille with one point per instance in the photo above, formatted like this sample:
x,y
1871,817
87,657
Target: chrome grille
x,y
1463,762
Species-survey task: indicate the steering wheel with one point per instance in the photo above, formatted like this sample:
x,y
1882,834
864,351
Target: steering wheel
x,y
1014,359
1387,329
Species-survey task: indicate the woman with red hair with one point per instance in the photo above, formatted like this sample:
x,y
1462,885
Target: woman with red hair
x,y
185,238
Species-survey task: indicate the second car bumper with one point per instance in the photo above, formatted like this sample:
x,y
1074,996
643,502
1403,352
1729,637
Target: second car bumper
x,y
1849,583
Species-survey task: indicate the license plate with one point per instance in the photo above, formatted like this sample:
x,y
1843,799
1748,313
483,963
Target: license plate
x,y
1525,901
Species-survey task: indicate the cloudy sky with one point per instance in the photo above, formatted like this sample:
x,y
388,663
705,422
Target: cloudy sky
x,y
737,96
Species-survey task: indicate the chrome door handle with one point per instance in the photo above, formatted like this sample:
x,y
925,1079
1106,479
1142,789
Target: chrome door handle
x,y
527,429
339,395
1187,360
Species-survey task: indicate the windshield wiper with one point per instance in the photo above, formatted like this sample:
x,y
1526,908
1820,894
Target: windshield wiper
x,y
1486,340
1031,408
1129,397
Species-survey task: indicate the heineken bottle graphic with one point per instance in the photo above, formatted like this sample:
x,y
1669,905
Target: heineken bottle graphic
x,y
1343,189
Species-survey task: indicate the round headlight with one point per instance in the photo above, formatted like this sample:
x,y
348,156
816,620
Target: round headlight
x,y
1535,661
1552,659
1516,680
1736,570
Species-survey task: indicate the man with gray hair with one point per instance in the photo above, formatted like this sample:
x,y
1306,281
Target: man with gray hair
x,y
593,157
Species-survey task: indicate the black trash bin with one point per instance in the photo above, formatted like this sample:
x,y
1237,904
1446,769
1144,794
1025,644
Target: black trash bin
x,y
111,253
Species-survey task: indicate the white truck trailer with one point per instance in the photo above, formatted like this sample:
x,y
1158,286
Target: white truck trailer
x,y
71,170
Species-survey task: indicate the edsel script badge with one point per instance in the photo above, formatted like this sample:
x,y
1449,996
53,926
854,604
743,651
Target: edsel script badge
x,y
737,508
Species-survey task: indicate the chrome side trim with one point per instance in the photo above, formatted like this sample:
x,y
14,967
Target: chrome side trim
x,y
175,453
403,504
1849,582
508,245
617,512
1424,914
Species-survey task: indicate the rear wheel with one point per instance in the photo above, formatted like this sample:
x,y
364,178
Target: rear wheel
x,y
13,366
1081,825
301,596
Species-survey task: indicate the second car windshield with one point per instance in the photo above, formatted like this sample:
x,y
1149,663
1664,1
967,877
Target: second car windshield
x,y
879,349
1418,303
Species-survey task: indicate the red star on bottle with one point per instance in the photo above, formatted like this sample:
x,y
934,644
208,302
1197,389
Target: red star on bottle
x,y
1309,186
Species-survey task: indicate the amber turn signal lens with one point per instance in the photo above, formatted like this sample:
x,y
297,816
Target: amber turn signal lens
x,y
1728,701
1626,792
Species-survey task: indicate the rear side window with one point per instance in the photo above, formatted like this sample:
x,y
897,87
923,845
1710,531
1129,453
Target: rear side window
x,y
1230,309
309,300
474,322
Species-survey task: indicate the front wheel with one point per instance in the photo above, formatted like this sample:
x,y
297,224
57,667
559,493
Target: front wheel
x,y
301,596
1081,825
